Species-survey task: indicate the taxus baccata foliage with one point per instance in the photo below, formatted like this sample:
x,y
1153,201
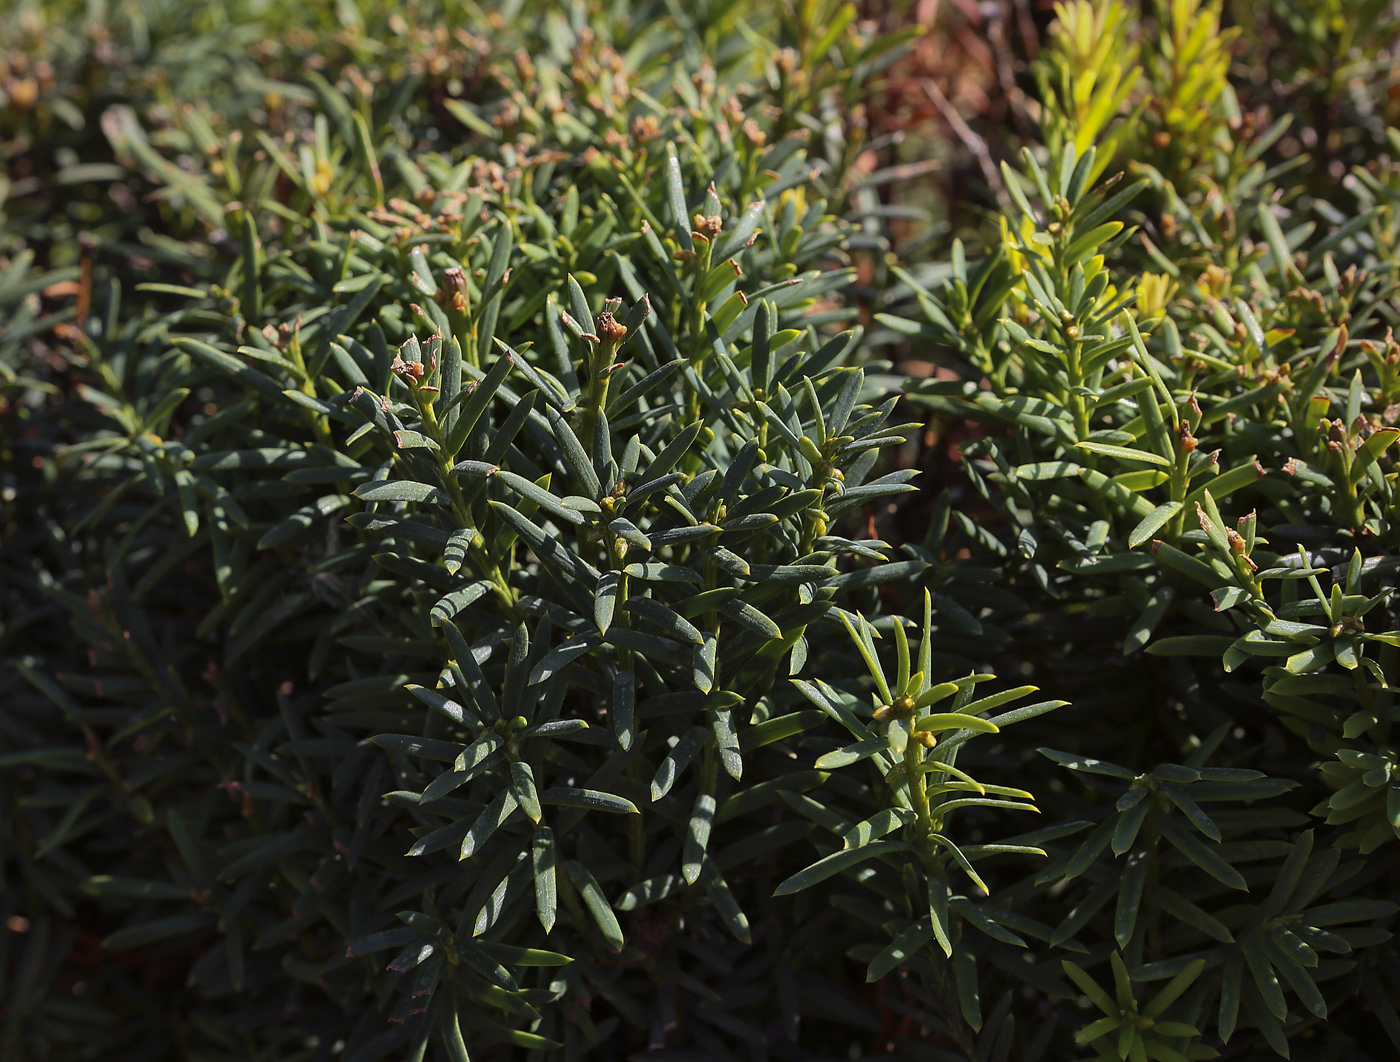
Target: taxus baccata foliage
x,y
442,607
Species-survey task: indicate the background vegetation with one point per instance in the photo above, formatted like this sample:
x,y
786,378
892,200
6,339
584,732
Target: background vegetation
x,y
513,516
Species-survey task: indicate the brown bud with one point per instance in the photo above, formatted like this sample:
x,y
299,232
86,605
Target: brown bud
x,y
645,128
610,330
708,226
1237,547
412,371
1188,441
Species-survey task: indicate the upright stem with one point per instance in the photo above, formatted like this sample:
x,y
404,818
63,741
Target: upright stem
x,y
917,779
475,550
1077,404
600,371
1178,492
698,350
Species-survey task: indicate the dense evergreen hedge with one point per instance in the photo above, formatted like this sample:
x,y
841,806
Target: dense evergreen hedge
x,y
468,587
